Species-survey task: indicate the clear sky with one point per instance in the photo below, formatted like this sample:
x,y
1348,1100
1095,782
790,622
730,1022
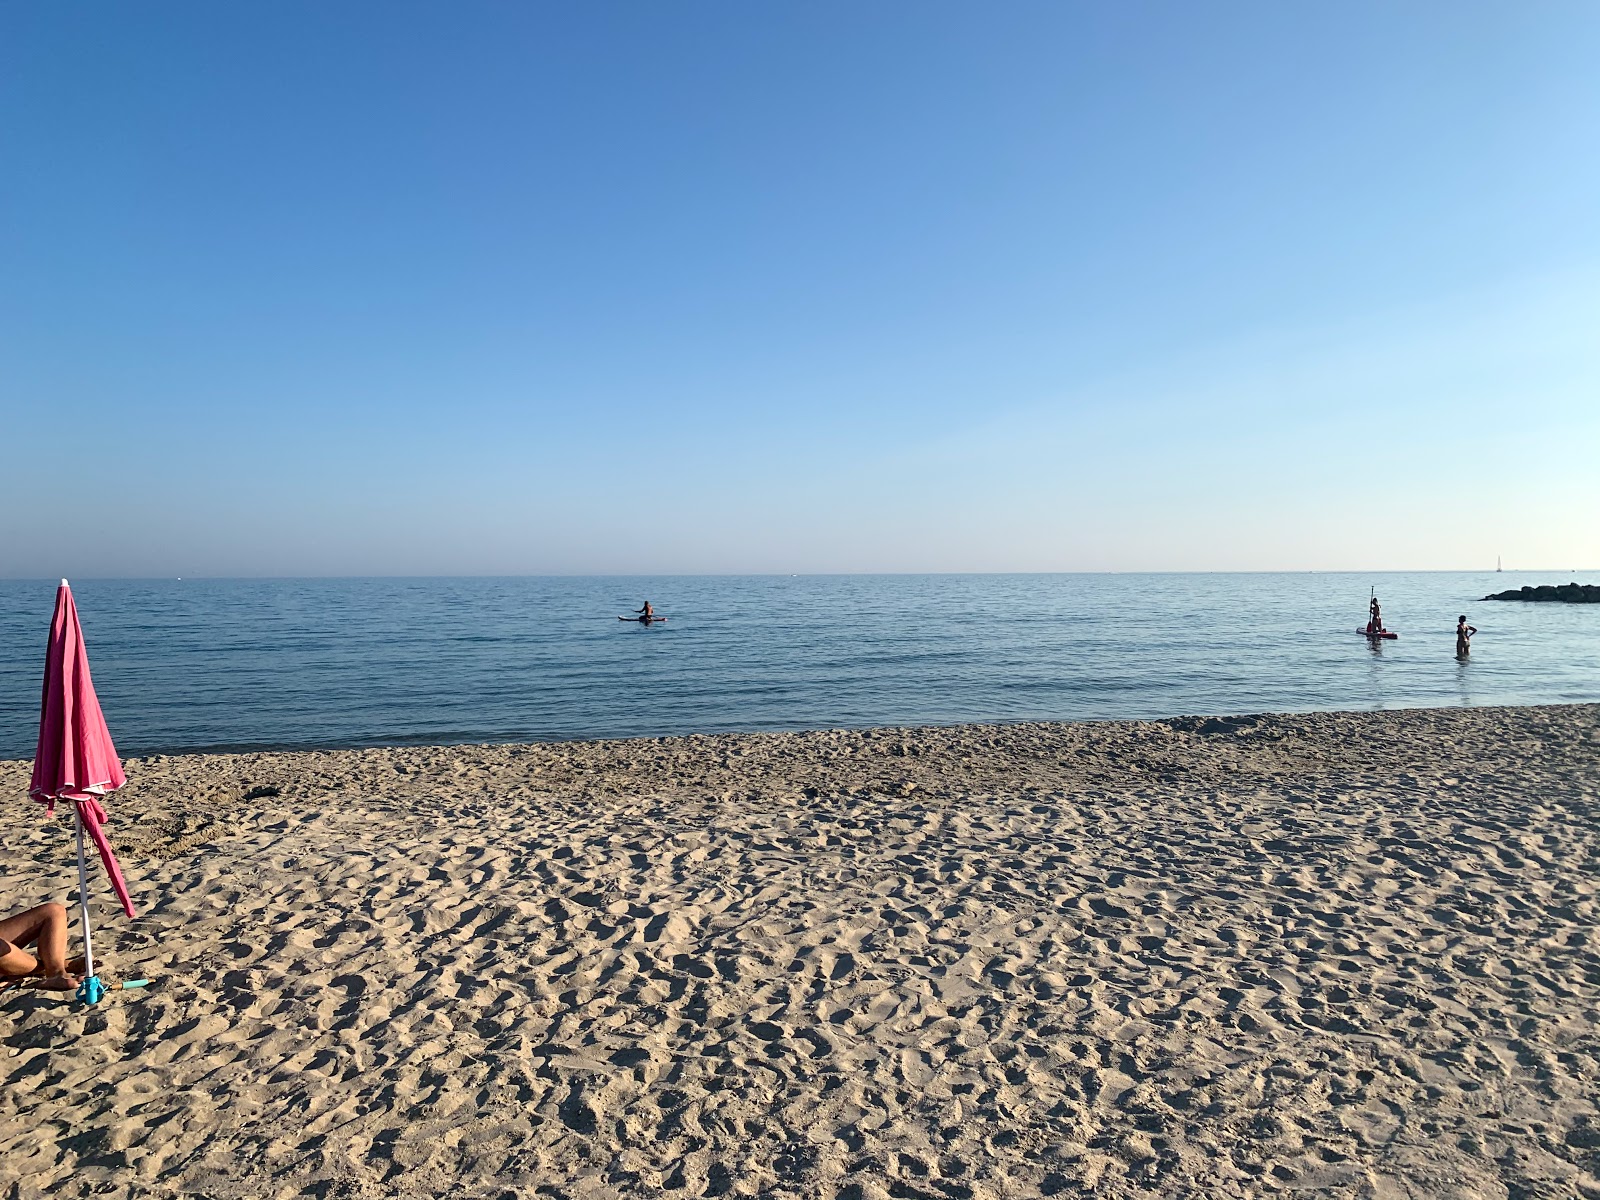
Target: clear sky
x,y
394,288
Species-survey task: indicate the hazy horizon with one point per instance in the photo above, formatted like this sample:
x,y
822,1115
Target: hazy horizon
x,y
54,581
404,291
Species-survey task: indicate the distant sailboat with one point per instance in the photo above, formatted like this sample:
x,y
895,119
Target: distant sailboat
x,y
1497,564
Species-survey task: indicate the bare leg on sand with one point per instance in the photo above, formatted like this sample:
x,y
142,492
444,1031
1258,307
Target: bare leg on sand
x,y
45,928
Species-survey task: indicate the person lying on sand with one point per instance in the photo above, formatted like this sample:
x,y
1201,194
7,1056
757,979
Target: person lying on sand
x,y
45,928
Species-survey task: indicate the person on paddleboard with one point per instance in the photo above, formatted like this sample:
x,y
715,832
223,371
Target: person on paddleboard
x,y
647,613
1375,622
1464,634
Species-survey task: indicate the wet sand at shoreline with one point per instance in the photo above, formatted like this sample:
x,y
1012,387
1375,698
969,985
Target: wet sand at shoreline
x,y
1341,954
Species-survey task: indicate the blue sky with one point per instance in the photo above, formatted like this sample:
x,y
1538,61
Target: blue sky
x,y
536,288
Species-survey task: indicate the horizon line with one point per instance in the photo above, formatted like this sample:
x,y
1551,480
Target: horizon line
x,y
797,574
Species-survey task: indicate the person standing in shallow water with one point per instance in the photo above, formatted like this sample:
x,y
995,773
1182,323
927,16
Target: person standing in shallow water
x,y
1464,634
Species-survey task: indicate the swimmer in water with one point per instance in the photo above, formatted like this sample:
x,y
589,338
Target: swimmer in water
x,y
1464,634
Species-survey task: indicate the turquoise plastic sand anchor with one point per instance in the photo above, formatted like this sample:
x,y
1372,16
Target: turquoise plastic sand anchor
x,y
134,983
91,990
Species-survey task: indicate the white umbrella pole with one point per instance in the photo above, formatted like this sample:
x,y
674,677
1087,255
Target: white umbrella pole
x,y
83,896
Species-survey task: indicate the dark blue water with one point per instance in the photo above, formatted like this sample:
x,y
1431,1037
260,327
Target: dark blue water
x,y
346,662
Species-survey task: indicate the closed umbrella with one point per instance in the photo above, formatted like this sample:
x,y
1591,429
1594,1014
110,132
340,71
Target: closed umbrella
x,y
75,761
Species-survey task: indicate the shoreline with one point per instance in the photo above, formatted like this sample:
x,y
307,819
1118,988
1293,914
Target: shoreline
x,y
1347,952
1182,722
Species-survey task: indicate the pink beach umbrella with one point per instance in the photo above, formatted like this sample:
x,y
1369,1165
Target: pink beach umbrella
x,y
76,761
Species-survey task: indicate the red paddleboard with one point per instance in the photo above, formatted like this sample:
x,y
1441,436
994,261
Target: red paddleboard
x,y
1384,634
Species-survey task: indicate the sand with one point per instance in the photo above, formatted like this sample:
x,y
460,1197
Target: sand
x,y
1334,955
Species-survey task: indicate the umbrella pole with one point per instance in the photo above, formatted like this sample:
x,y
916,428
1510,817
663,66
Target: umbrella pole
x,y
90,990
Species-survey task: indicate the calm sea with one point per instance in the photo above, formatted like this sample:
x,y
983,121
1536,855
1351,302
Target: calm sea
x,y
213,663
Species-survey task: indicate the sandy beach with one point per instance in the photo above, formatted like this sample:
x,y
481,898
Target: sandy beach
x,y
1330,954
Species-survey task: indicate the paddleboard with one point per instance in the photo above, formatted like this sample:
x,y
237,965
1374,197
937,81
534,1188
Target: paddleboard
x,y
1384,634
643,620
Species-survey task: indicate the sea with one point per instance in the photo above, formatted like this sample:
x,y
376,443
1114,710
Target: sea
x,y
232,664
